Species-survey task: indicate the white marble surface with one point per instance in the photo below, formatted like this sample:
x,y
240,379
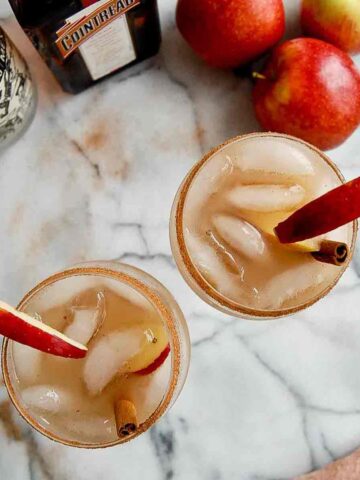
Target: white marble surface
x,y
94,178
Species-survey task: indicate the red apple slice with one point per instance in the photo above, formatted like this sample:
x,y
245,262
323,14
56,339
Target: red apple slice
x,y
153,351
328,212
22,328
156,363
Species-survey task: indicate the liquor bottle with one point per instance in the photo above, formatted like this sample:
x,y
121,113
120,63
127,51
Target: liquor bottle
x,y
84,41
17,93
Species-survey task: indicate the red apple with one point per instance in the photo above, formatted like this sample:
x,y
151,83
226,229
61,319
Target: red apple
x,y
309,89
230,33
336,21
22,328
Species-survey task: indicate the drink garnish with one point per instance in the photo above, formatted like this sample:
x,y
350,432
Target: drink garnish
x,y
335,253
266,223
126,351
126,418
325,251
324,214
156,363
23,328
152,354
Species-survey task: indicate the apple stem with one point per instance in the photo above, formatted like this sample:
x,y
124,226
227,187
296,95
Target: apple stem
x,y
258,76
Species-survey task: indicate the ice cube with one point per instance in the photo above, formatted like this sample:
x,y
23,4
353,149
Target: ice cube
x,y
291,283
63,291
266,198
47,398
213,266
86,321
27,362
208,180
127,292
90,427
207,258
222,251
147,392
108,357
273,155
240,235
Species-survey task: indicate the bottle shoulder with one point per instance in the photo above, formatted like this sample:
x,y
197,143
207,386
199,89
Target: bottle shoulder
x,y
36,14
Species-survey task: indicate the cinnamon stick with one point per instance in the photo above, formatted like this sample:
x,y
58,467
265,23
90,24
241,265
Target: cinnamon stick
x,y
334,253
126,418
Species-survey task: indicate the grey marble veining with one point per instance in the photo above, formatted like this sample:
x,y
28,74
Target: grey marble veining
x,y
94,178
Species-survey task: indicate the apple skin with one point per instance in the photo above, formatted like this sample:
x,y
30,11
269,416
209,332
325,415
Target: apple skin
x,y
318,217
311,90
230,33
335,21
156,363
29,331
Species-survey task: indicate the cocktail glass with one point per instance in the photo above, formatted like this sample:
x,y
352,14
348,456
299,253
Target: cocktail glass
x,y
223,218
62,418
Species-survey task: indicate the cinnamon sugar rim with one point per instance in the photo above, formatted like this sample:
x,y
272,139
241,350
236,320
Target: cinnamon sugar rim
x,y
166,315
192,270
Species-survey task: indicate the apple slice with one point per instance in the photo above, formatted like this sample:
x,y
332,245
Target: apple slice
x,y
156,363
22,328
267,222
153,352
328,212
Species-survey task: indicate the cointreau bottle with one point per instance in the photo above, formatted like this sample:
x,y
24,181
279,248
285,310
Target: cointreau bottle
x,y
84,41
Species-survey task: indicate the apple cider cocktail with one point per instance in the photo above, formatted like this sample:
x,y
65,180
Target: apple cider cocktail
x,y
223,220
135,335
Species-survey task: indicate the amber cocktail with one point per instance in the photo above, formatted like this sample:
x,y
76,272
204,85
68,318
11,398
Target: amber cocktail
x,y
222,225
136,364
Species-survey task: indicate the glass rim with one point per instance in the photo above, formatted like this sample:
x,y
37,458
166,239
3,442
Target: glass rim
x,y
224,303
166,315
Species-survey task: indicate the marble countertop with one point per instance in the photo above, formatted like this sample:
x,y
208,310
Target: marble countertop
x,y
94,178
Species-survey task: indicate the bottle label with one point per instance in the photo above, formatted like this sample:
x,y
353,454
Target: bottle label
x,y
101,34
16,91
